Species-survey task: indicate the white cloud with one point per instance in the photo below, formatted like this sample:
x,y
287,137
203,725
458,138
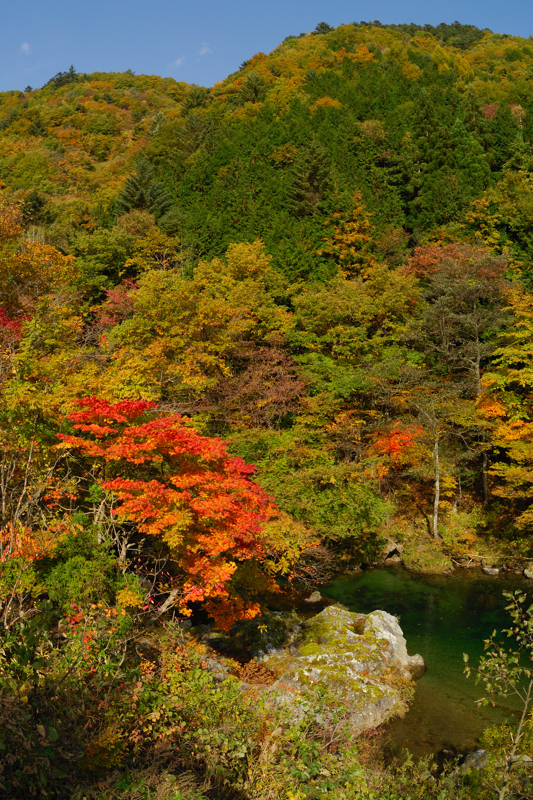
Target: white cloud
x,y
204,50
25,48
179,61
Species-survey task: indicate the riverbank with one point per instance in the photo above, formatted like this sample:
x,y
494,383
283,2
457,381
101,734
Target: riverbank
x,y
422,554
442,617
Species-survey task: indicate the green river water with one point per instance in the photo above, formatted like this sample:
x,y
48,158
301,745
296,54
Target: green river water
x,y
442,617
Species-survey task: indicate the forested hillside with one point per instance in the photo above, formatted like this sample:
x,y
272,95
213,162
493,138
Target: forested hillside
x,y
322,267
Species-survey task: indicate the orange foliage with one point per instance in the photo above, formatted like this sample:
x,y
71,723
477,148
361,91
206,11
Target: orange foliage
x,y
433,258
18,541
186,489
395,442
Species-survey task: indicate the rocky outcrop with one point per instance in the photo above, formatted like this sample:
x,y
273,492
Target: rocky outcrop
x,y
391,553
360,660
314,597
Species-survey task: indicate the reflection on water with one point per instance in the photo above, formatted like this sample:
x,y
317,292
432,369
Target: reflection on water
x,y
442,617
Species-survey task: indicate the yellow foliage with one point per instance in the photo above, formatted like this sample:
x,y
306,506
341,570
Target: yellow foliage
x,y
179,339
242,261
411,71
28,269
324,102
285,90
285,540
156,250
362,55
10,220
129,598
248,110
181,519
485,217
351,242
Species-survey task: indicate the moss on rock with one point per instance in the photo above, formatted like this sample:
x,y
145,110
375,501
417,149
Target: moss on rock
x,y
359,660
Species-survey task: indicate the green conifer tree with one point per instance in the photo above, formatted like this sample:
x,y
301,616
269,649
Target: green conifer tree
x,y
309,181
197,98
471,166
141,190
506,132
432,183
254,89
474,119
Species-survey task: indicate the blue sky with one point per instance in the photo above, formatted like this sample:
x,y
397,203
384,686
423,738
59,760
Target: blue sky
x,y
200,41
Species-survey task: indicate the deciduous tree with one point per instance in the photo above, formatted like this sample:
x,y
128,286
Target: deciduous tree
x,y
184,488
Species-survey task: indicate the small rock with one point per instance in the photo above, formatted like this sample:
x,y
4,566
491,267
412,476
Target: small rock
x,y
528,573
416,666
475,760
315,597
491,571
478,760
392,549
395,559
217,670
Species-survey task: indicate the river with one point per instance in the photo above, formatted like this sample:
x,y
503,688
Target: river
x,y
442,617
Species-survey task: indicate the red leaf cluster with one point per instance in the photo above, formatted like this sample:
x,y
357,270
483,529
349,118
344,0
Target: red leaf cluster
x,y
397,440
117,306
10,328
174,483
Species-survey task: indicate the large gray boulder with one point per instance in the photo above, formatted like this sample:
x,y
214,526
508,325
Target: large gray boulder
x,y
361,660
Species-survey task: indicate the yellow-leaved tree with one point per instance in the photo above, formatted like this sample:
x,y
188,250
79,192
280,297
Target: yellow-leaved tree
x,y
350,241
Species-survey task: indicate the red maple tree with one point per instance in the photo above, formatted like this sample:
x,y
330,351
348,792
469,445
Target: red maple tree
x,y
394,442
174,483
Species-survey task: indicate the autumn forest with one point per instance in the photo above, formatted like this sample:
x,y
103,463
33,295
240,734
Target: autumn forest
x,y
248,335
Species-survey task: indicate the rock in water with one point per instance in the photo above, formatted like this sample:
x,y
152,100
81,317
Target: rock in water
x,y
361,660
528,572
417,666
314,597
491,571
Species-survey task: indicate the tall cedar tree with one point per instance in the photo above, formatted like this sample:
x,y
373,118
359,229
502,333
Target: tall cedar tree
x,y
310,181
142,190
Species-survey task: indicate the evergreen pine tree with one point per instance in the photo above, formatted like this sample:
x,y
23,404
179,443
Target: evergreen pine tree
x,y
309,181
197,98
475,121
506,132
323,27
432,183
254,89
141,190
471,165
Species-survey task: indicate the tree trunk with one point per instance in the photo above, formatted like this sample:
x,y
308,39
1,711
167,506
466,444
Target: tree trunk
x,y
511,758
485,479
459,496
437,489
485,468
